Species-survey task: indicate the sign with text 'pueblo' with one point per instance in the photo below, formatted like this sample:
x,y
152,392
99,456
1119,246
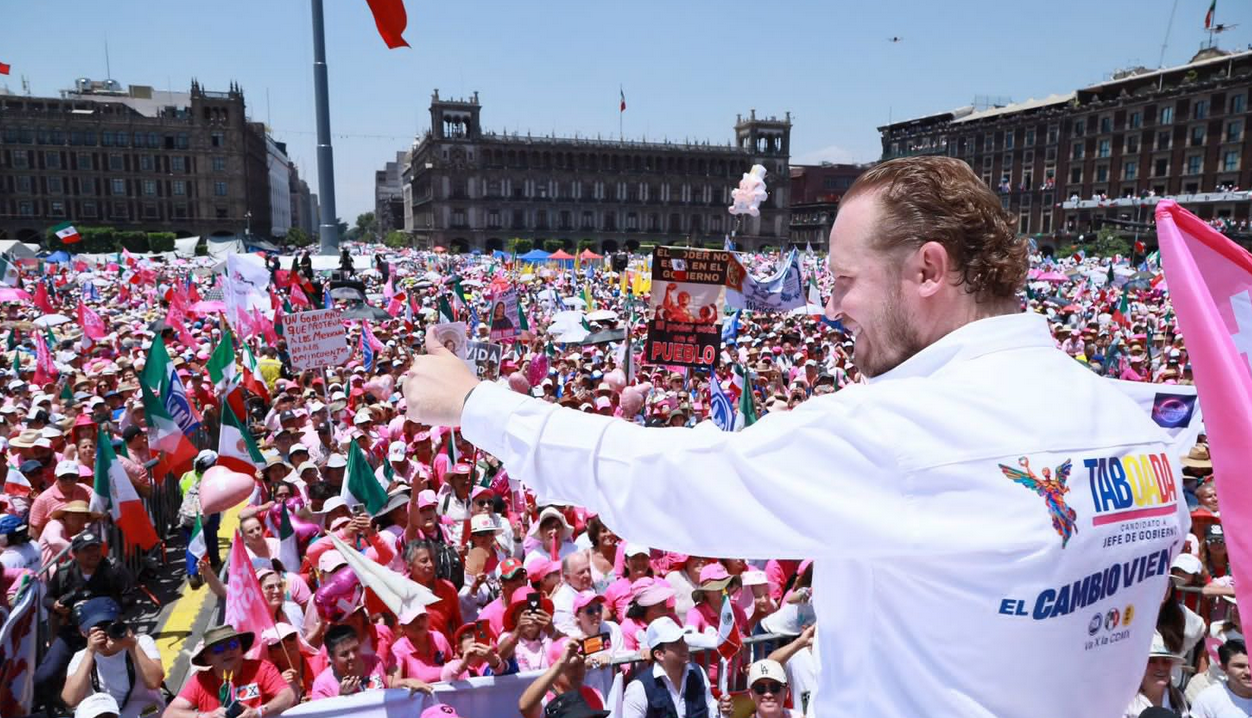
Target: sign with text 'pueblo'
x,y
316,339
683,315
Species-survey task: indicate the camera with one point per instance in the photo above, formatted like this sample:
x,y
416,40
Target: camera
x,y
117,630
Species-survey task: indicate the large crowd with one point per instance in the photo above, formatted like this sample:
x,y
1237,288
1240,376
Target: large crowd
x,y
522,585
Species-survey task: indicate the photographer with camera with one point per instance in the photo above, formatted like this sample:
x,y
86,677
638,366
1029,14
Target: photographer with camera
x,y
116,662
89,574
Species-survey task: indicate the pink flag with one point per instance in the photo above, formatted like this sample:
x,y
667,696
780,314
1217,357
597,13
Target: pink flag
x,y
246,609
266,327
93,325
368,334
41,299
395,306
45,369
298,297
389,289
1210,278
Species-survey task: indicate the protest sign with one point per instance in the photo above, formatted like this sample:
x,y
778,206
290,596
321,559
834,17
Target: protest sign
x,y
316,339
484,356
504,316
453,337
781,292
686,294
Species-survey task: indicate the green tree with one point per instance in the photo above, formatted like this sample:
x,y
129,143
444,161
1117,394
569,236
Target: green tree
x,y
519,245
366,229
397,239
297,237
343,227
1108,242
161,241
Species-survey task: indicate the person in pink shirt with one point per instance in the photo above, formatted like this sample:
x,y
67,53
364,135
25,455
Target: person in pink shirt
x,y
66,522
528,630
476,655
352,671
705,616
637,565
512,577
544,574
650,599
779,572
421,652
65,489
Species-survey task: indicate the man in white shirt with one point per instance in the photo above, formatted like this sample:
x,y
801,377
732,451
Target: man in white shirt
x,y
981,499
671,676
1232,698
576,572
115,661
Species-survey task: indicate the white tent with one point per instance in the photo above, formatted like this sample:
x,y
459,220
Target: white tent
x,y
220,247
186,247
16,249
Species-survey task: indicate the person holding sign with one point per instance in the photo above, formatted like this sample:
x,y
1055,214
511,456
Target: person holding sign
x,y
969,510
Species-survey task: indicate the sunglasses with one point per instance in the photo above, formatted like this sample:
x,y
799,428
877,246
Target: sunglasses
x,y
593,608
482,502
229,645
763,687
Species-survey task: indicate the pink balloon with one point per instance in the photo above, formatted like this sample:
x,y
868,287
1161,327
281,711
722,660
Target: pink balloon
x,y
388,383
538,370
337,597
518,383
615,379
632,402
221,488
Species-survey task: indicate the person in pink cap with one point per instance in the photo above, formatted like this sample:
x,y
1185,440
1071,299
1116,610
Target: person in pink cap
x,y
589,621
351,670
650,599
527,630
423,507
299,662
684,576
544,574
421,652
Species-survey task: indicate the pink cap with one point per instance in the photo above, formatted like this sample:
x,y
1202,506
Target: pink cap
x,y
586,598
459,467
541,568
442,710
647,591
713,572
478,491
426,497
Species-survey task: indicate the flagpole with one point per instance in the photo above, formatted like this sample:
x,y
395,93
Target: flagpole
x,y
328,230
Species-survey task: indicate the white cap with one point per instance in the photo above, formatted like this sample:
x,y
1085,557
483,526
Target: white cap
x,y
330,561
637,549
297,447
67,467
484,523
397,451
336,461
755,577
663,630
51,432
316,407
765,668
95,705
1159,649
410,614
1188,563
334,502
362,417
17,384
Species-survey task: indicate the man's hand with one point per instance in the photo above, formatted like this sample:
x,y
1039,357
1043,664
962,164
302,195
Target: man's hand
x,y
129,641
414,685
61,608
349,685
806,636
96,640
436,385
726,705
291,676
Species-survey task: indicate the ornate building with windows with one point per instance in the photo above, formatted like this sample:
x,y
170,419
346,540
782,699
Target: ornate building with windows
x,y
1066,164
464,188
134,159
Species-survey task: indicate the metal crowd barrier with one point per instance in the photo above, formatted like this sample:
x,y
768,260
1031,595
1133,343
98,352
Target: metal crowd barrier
x,y
754,649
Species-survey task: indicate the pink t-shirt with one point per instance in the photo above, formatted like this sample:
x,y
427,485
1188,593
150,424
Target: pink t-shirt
x,y
51,499
493,614
422,665
531,655
326,685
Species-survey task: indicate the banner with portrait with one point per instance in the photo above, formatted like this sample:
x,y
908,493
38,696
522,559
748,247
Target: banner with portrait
x,y
685,309
503,316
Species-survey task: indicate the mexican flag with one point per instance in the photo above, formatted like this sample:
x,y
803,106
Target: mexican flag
x,y
1208,16
225,374
252,379
288,547
236,449
8,271
166,436
445,311
114,495
66,233
1121,314
746,416
196,545
360,486
729,640
523,324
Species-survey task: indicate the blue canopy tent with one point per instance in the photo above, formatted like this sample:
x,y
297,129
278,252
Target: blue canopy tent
x,y
57,257
498,254
534,255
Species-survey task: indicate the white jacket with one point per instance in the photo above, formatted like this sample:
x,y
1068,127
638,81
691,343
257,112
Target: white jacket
x,y
943,587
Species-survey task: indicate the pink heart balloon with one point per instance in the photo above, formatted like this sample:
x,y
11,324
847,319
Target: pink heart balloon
x,y
388,384
221,488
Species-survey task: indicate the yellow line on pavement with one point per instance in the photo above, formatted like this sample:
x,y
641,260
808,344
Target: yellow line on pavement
x,y
176,632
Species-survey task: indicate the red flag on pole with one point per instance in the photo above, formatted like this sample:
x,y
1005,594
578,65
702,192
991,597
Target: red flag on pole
x,y
391,19
41,299
4,69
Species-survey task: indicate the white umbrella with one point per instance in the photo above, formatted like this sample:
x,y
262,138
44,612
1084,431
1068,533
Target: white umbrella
x,y
574,302
52,320
471,283
602,315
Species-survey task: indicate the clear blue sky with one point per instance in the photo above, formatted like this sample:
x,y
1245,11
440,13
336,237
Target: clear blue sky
x,y
687,66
